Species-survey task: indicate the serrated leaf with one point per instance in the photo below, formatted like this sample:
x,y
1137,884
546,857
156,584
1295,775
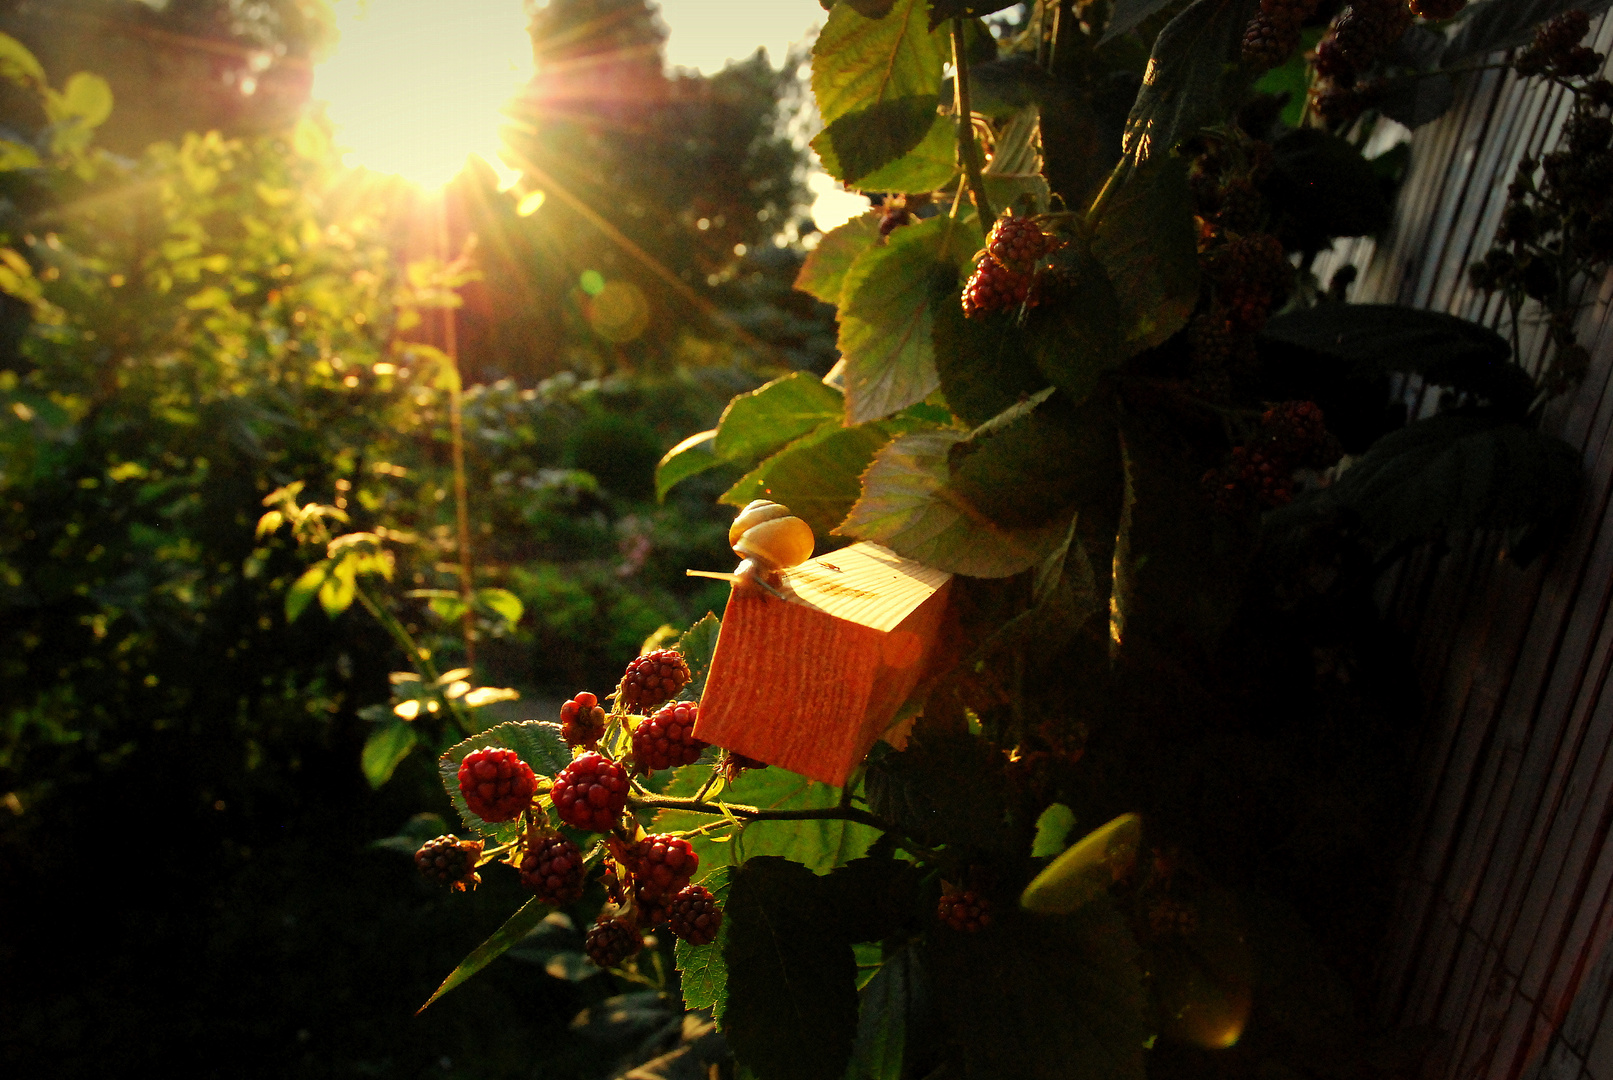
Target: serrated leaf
x,y
385,749
1127,14
825,266
792,997
705,976
877,82
514,929
305,588
820,845
1192,77
984,365
882,1010
943,789
1087,869
537,742
690,457
1075,335
817,476
503,603
885,315
932,164
767,418
907,506
1146,242
1493,25
696,646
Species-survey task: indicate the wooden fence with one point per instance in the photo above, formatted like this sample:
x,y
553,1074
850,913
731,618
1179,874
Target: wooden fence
x,y
1501,939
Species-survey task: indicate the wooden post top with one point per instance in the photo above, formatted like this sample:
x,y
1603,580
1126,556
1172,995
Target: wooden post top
x,y
865,584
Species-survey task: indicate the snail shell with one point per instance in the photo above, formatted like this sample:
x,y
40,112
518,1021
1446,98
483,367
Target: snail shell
x,y
770,538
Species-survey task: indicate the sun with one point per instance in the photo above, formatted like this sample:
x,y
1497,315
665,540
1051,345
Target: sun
x,y
415,87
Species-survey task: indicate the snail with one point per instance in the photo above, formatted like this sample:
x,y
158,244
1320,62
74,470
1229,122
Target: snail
x,y
768,538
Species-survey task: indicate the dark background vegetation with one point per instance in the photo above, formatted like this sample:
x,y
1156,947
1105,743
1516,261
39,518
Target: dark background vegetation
x,y
190,886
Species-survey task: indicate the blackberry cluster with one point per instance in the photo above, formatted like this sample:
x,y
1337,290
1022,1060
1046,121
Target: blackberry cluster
x,y
1360,34
666,740
1338,105
553,869
695,915
966,910
1273,33
1250,275
994,287
1173,918
610,941
1018,243
1219,354
1437,10
591,793
661,865
450,862
1296,431
582,721
1293,435
1556,50
653,678
496,783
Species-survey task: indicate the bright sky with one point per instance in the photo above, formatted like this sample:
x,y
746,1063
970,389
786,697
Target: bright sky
x,y
415,86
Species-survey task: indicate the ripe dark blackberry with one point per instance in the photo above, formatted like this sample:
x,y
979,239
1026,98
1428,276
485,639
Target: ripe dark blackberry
x,y
553,869
653,678
1273,33
1017,243
1295,431
666,739
966,910
1263,476
994,287
590,793
695,915
496,783
610,941
582,721
450,861
1437,10
1173,917
661,865
1250,273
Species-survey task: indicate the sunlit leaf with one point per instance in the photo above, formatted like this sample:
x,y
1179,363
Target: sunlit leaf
x,y
305,588
503,603
1052,830
690,457
825,267
696,646
932,164
705,976
1087,869
19,65
772,415
385,749
514,929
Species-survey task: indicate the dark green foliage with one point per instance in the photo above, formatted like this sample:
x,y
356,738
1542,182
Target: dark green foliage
x,y
1493,25
1193,79
943,789
1320,187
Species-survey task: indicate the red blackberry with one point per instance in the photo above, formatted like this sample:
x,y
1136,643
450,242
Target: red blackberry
x,y
653,678
1295,431
1250,274
1368,27
966,910
1437,10
1172,917
661,865
582,721
496,783
610,941
1264,477
695,916
552,869
994,287
590,793
450,861
1017,243
667,739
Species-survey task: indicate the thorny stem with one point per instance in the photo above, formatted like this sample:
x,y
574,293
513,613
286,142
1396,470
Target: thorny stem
x,y
968,149
756,813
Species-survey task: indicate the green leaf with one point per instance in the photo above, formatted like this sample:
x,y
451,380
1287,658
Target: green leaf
x,y
1127,14
1052,830
874,897
984,365
1493,25
877,82
820,845
932,164
705,976
908,506
943,789
696,646
1086,870
792,997
762,421
885,315
1322,187
1040,998
1192,79
19,65
1145,240
1023,469
882,1010
537,742
514,929
385,749
503,603
16,155
818,477
305,588
825,266
340,586
86,98
1075,334
690,457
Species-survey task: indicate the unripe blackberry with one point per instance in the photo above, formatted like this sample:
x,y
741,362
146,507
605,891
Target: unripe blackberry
x,y
496,783
661,865
967,911
653,678
610,941
582,721
666,739
553,869
1017,243
695,915
450,861
994,287
1437,10
590,793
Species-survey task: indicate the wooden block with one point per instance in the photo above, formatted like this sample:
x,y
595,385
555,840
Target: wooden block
x,y
811,681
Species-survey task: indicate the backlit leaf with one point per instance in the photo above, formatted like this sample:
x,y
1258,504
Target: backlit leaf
x,y
385,749
1191,76
825,267
1087,869
696,646
705,976
690,457
772,415
514,929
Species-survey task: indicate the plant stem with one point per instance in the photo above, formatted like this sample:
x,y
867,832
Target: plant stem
x,y
456,432
419,659
756,813
968,150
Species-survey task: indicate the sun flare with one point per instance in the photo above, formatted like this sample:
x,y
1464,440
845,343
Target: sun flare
x,y
414,87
